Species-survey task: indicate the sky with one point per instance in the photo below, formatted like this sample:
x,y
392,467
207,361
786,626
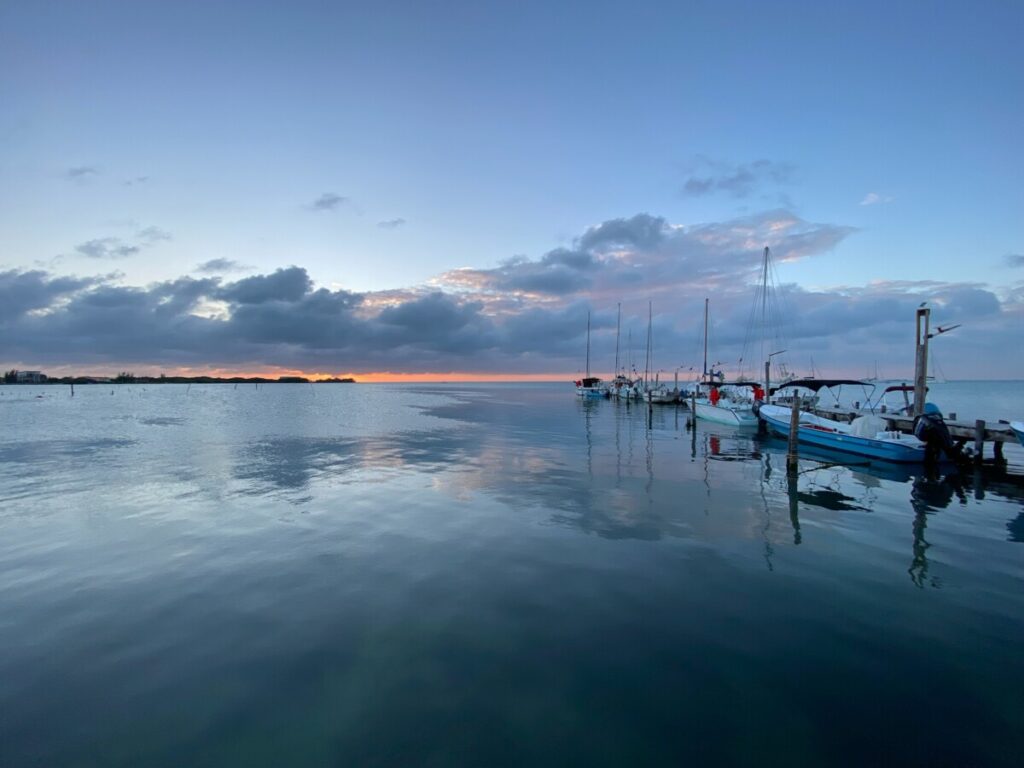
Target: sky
x,y
449,189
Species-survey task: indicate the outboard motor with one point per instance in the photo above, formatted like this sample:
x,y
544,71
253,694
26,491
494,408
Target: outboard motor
x,y
931,430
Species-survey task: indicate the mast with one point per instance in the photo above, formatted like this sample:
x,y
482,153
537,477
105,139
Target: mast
x,y
588,344
764,295
647,359
618,329
705,339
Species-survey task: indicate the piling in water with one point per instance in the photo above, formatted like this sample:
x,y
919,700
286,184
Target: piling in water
x,y
792,454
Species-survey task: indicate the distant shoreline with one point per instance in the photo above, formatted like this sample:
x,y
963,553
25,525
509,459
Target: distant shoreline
x,y
85,380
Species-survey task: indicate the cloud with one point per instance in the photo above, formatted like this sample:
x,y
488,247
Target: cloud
x,y
737,180
873,198
135,181
391,223
287,285
24,292
152,235
118,248
107,248
523,315
1014,259
328,201
220,266
81,172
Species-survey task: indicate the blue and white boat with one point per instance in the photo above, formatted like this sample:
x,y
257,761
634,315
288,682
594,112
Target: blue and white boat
x,y
1018,430
866,435
590,386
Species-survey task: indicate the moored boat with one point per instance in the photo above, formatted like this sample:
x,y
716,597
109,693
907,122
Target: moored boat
x,y
865,436
1018,430
590,386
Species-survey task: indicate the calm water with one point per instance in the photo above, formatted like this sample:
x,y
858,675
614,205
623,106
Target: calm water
x,y
489,575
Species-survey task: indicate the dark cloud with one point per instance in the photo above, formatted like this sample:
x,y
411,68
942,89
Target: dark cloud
x,y
640,231
81,172
391,223
1014,259
736,180
525,315
220,266
283,285
23,292
328,201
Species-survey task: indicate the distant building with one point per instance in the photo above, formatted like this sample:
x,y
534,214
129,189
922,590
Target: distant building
x,y
30,377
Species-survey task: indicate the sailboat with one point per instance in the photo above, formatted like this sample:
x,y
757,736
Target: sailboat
x,y
621,386
655,393
718,400
590,386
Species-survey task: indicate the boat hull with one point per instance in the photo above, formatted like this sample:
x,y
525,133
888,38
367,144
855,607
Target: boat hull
x,y
1018,430
736,417
903,450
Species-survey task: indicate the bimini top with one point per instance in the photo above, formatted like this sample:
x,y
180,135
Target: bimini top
x,y
816,384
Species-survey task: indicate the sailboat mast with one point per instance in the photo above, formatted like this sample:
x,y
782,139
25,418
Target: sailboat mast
x,y
647,358
705,339
618,330
588,345
764,300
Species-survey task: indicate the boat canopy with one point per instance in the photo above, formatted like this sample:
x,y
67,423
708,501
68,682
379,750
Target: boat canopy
x,y
817,384
901,388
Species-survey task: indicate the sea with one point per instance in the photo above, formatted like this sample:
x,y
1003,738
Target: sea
x,y
492,575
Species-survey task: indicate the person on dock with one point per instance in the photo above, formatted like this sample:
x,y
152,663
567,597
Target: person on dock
x,y
931,429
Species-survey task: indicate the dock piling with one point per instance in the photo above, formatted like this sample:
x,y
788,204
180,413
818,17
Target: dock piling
x,y
979,440
792,454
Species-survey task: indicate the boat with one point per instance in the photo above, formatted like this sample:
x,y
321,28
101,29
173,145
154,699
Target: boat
x,y
655,392
1018,430
866,435
590,386
719,401
727,407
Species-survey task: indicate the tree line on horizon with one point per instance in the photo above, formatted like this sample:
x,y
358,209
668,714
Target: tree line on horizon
x,y
126,377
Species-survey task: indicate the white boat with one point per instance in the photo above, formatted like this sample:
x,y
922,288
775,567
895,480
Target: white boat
x,y
590,386
719,401
729,408
663,395
1018,430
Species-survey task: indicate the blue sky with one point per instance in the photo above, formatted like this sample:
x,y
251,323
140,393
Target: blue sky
x,y
380,146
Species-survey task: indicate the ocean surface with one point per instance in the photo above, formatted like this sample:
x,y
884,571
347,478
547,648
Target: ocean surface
x,y
488,575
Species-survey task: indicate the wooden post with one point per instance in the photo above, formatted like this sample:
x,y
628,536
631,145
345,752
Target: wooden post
x,y
979,440
767,380
997,450
72,389
921,360
792,454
